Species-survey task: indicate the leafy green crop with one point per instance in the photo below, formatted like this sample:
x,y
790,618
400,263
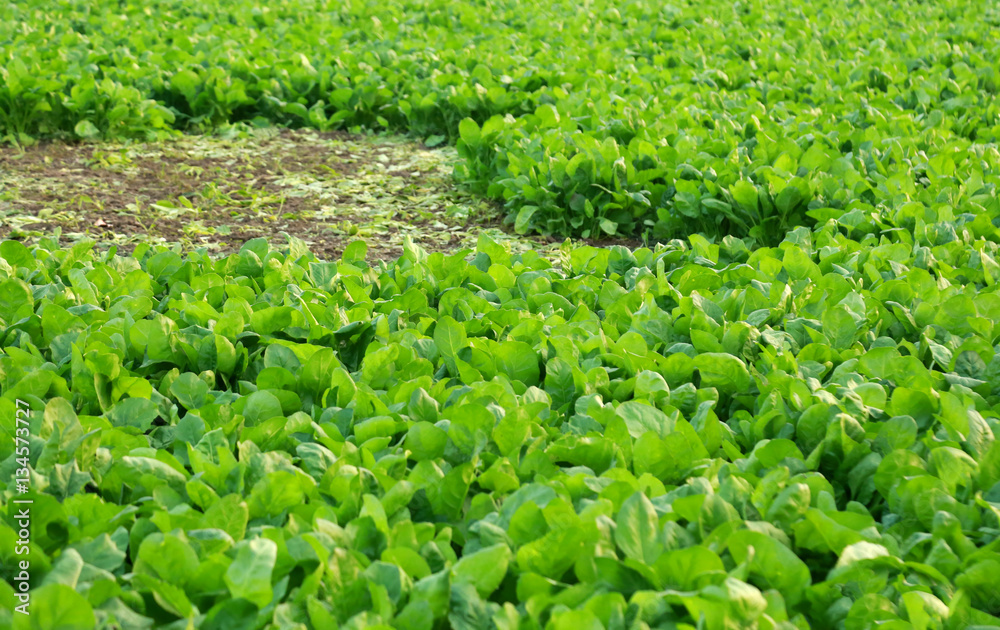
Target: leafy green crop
x,y
786,420
606,118
691,436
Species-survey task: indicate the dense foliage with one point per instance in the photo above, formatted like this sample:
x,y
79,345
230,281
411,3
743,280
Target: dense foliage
x,y
801,436
786,420
744,118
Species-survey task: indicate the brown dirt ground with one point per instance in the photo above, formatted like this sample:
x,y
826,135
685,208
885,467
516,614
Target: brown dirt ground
x,y
324,188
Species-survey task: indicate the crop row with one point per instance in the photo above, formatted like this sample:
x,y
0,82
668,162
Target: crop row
x,y
636,118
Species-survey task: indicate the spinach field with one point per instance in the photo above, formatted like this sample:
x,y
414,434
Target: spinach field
x,y
780,413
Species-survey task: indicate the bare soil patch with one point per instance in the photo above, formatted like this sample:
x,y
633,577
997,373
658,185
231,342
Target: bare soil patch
x,y
218,192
